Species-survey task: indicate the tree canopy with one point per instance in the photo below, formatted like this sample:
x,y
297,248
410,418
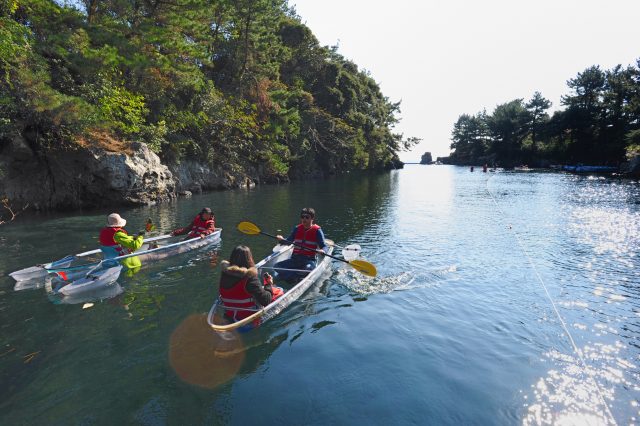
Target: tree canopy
x,y
600,124
232,83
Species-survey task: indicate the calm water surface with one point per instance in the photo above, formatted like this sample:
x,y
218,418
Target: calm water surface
x,y
502,298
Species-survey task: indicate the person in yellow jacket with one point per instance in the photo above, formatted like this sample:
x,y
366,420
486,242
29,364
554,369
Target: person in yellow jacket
x,y
115,241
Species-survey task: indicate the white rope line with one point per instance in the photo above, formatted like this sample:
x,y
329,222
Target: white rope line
x,y
564,325
285,269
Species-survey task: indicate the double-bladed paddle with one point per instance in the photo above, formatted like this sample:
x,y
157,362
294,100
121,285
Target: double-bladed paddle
x,y
361,266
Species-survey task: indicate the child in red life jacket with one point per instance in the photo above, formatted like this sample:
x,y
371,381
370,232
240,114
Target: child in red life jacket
x,y
201,226
267,281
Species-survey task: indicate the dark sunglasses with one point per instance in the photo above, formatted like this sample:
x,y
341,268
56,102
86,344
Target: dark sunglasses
x,y
305,216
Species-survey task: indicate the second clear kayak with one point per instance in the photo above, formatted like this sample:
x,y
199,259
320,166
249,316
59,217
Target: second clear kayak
x,y
92,281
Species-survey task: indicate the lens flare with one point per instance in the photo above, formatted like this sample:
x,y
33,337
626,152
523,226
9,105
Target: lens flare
x,y
202,357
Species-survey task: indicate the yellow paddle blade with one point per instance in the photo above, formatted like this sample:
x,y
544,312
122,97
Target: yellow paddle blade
x,y
364,267
248,228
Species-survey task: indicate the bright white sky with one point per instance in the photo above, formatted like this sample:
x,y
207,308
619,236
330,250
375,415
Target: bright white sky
x,y
450,57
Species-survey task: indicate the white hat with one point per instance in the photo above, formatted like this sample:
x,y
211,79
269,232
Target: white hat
x,y
115,221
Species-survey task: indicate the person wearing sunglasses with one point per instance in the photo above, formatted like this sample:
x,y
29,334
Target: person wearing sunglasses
x,y
309,238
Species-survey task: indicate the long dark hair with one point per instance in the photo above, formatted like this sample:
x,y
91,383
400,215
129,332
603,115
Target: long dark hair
x,y
241,256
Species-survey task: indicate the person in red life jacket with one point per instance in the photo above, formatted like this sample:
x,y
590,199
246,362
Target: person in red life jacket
x,y
241,292
114,241
202,225
308,235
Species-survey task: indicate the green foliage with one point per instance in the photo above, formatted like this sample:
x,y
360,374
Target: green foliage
x,y
14,45
8,7
470,137
274,163
633,141
154,135
600,124
124,109
235,83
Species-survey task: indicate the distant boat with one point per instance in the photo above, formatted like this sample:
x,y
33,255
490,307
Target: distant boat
x,y
524,168
589,169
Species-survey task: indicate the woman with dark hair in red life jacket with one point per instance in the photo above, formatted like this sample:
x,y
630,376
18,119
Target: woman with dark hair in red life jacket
x,y
241,292
201,226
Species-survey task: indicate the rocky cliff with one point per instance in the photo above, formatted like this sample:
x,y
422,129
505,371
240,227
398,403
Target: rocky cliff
x,y
94,177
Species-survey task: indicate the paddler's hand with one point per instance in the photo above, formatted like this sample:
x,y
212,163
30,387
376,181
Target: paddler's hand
x,y
202,236
267,279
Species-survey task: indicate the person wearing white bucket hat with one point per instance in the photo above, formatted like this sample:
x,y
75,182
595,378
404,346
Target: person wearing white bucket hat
x,y
114,220
115,241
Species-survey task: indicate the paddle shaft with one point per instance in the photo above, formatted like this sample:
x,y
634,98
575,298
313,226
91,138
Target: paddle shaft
x,y
96,251
344,248
87,253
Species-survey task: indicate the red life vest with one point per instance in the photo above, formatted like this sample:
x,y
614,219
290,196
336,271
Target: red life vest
x,y
306,238
277,292
200,226
238,297
106,239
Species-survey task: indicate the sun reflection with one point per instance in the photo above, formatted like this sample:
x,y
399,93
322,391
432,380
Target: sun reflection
x,y
607,230
204,358
564,398
573,395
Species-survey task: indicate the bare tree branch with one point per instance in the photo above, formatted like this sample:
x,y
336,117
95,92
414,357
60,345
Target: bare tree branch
x,y
7,206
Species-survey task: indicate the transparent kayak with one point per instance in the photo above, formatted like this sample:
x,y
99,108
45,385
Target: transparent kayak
x,y
154,249
220,324
92,281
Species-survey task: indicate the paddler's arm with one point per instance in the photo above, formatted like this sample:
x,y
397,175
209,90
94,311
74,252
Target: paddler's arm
x,y
322,244
128,241
261,293
289,239
211,227
183,230
180,231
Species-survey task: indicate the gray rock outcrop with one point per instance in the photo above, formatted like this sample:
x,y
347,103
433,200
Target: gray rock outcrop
x,y
76,178
194,177
426,158
632,167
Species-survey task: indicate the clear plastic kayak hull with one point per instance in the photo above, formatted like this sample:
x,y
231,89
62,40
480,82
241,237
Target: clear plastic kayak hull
x,y
92,281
